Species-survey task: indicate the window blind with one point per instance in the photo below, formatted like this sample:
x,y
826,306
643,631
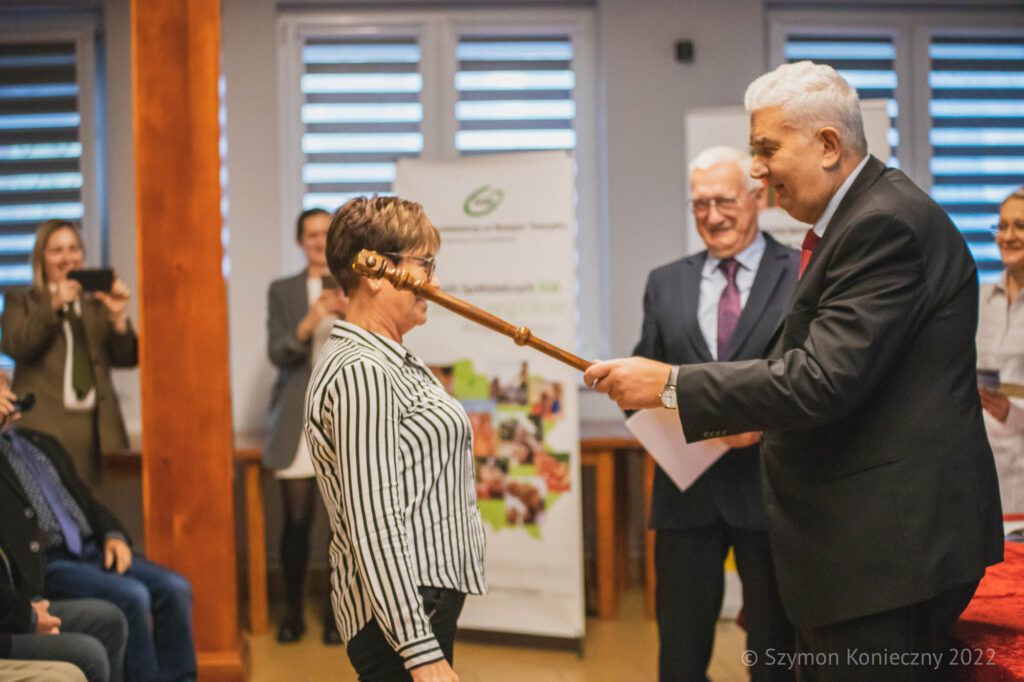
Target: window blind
x,y
40,148
515,93
977,134
361,113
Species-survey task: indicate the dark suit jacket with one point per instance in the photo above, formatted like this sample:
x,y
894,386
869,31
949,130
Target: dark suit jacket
x,y
879,482
286,306
730,489
23,543
33,335
15,608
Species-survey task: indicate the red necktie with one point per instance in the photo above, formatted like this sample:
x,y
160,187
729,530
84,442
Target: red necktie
x,y
728,308
810,241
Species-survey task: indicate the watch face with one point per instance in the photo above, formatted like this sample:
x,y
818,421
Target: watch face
x,y
668,397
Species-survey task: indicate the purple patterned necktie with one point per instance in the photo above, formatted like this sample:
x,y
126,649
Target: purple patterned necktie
x,y
72,535
728,307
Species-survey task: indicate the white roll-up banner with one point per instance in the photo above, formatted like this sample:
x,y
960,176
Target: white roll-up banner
x,y
507,225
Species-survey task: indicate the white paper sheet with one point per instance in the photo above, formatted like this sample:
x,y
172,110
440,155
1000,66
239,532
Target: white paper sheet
x,y
661,433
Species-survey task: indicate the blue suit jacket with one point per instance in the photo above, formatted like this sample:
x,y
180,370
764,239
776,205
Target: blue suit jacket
x,y
731,488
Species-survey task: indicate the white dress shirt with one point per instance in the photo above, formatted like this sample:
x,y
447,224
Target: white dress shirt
x,y
833,204
1001,346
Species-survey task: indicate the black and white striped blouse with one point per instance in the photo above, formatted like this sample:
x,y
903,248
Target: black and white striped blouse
x,y
394,460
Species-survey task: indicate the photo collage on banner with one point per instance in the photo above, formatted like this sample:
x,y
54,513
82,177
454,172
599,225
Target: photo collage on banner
x,y
508,246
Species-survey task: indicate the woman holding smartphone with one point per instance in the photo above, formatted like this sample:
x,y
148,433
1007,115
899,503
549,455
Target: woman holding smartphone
x,y
64,341
300,313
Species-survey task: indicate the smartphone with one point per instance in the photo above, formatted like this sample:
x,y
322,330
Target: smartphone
x,y
329,282
988,379
93,279
24,403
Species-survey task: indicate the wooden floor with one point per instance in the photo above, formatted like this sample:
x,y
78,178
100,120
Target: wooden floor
x,y
623,650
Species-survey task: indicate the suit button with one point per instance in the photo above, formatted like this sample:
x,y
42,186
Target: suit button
x,y
29,513
33,546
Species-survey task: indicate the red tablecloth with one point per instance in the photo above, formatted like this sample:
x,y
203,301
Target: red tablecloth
x,y
992,627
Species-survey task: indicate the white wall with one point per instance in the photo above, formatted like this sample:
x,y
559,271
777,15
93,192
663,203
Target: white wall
x,y
648,94
120,180
249,49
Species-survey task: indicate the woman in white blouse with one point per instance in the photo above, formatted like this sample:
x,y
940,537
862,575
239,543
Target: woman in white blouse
x,y
393,454
1001,346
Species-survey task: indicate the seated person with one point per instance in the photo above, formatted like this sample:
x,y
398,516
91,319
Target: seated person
x,y
67,545
88,635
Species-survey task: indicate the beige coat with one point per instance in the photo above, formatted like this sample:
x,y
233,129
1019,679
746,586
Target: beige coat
x,y
32,334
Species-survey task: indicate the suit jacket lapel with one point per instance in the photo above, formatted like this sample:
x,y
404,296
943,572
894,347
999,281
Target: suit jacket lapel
x,y
12,479
689,292
868,175
297,290
766,281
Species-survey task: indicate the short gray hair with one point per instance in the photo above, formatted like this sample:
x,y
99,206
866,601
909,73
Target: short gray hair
x,y
812,96
712,156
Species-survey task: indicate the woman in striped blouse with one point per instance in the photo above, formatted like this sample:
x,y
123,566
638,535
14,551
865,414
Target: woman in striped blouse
x,y
394,460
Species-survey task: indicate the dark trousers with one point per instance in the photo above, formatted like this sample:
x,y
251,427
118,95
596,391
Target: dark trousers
x,y
690,586
92,637
905,644
156,601
373,658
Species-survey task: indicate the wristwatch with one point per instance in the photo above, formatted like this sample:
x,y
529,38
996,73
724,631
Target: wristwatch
x,y
668,394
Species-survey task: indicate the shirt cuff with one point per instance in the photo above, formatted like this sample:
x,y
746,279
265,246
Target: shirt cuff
x,y
421,652
115,535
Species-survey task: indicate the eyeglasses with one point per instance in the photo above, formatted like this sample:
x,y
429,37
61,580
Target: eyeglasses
x,y
724,204
1003,229
428,263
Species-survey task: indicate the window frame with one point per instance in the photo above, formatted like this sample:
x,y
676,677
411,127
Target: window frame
x,y
438,33
911,31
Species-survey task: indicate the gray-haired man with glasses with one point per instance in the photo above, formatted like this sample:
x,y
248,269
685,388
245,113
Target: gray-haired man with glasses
x,y
720,304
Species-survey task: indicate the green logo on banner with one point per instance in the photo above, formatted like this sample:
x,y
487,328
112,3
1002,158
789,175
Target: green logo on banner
x,y
483,201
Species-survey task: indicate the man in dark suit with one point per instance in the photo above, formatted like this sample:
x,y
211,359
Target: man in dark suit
x,y
881,492
89,633
63,543
723,303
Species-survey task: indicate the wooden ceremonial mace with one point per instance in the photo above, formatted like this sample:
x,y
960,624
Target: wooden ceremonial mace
x,y
372,264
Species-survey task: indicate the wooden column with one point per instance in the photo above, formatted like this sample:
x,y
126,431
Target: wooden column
x,y
186,402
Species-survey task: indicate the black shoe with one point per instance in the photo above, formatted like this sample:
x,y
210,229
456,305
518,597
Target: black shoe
x,y
331,635
291,630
